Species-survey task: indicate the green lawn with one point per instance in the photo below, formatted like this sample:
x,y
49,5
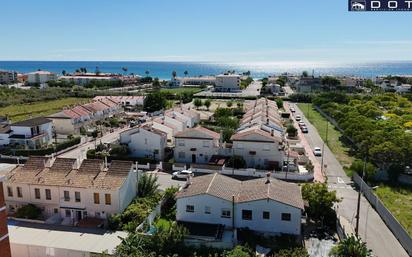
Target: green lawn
x,y
334,143
399,201
24,111
192,90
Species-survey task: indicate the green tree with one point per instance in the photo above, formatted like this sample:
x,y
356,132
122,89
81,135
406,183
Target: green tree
x,y
236,160
125,69
197,103
320,200
147,185
330,82
207,103
358,167
229,104
294,252
291,130
305,74
174,74
156,84
154,102
147,73
239,251
351,247
186,73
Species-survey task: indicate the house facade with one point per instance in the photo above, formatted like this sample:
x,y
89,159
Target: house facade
x,y
32,133
7,77
145,141
196,145
263,205
67,192
4,235
40,77
227,83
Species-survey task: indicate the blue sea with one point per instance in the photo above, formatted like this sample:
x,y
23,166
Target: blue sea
x,y
163,70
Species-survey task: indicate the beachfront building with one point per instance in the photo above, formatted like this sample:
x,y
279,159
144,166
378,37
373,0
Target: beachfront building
x,y
68,192
7,77
196,145
32,133
192,81
40,77
145,141
263,205
227,83
85,78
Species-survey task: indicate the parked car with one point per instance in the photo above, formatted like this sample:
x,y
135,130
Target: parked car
x,y
302,124
297,118
304,129
292,109
317,151
182,174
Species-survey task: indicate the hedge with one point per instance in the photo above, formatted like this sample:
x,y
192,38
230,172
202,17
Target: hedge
x,y
49,150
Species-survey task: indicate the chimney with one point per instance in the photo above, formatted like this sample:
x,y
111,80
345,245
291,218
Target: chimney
x,y
268,178
267,121
272,132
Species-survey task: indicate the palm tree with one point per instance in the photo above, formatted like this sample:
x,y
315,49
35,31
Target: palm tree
x,y
186,72
174,74
63,72
147,73
147,185
124,69
352,247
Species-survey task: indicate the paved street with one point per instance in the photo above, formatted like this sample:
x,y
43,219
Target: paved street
x,y
372,229
81,151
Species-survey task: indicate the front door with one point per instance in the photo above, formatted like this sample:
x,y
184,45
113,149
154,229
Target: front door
x,y
78,215
193,158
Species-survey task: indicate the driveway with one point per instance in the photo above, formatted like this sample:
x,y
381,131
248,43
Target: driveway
x,y
165,180
372,229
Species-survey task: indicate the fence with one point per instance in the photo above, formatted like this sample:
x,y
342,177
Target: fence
x,y
398,231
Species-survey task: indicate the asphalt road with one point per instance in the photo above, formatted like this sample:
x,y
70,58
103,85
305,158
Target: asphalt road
x,y
372,229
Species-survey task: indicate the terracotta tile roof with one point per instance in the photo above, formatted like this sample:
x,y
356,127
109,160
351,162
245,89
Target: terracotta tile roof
x,y
228,188
256,134
115,176
27,174
32,122
198,133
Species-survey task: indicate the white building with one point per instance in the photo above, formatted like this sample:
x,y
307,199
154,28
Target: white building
x,y
32,133
196,145
7,77
40,77
5,132
68,193
86,79
227,83
264,205
192,81
145,141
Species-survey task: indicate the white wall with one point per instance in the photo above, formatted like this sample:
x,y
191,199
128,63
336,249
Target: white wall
x,y
4,139
228,82
273,225
264,152
205,148
18,250
200,202
142,143
128,191
64,126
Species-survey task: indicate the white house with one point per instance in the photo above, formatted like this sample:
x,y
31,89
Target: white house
x,y
32,133
196,145
259,148
5,132
145,141
227,83
264,205
159,123
40,77
68,192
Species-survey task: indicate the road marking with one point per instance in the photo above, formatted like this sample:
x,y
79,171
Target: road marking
x,y
340,180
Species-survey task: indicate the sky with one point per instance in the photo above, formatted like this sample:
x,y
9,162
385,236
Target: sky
x,y
230,31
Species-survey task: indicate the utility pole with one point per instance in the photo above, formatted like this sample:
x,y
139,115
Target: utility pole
x,y
323,146
359,197
287,164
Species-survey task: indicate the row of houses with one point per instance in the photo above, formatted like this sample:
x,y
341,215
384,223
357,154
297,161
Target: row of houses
x,y
68,191
150,139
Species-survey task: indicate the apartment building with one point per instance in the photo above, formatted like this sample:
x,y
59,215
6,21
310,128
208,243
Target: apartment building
x,y
40,77
7,77
263,205
68,192
227,83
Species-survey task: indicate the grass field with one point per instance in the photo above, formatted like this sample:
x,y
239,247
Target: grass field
x,y
24,111
192,90
334,143
399,201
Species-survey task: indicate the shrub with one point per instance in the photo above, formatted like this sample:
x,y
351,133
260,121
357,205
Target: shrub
x,y
29,211
238,161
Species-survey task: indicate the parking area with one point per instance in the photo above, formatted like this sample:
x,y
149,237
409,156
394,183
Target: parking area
x,y
165,180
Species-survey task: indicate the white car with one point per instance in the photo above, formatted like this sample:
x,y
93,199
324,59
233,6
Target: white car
x,y
317,151
297,118
292,109
182,174
302,124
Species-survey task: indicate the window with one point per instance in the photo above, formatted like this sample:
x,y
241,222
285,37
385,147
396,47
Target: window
x,y
182,155
19,192
77,197
108,199
246,214
10,191
286,216
37,193
48,194
266,215
190,208
207,210
55,210
206,144
66,196
68,213
96,197
225,213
